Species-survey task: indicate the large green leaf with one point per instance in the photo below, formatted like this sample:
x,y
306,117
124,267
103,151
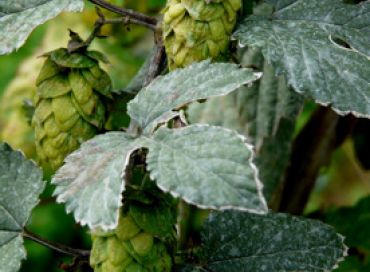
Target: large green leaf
x,y
210,167
91,180
19,17
265,112
323,48
155,103
237,241
20,186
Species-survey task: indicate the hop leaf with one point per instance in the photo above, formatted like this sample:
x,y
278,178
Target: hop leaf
x,y
20,186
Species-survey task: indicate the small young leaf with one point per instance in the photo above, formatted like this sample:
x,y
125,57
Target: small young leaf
x,y
19,18
210,167
20,186
174,90
322,47
91,181
237,241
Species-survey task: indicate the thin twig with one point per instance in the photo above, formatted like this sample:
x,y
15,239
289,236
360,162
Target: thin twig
x,y
155,63
126,12
77,43
126,21
78,253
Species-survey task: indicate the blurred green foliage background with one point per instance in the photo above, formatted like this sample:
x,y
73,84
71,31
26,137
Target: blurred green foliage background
x,y
343,182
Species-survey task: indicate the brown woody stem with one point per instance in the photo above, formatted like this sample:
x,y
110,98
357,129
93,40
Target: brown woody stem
x,y
78,253
312,149
133,15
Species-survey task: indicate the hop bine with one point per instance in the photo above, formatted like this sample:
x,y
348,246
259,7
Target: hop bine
x,y
70,107
128,248
194,30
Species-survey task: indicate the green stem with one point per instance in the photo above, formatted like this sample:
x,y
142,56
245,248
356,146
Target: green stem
x,y
184,215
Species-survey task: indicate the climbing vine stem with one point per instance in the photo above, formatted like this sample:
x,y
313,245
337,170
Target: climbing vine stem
x,y
63,249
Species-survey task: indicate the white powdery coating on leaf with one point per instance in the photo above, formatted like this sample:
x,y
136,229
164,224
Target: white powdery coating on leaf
x,y
183,173
266,112
20,186
92,180
298,39
272,242
182,86
15,26
12,254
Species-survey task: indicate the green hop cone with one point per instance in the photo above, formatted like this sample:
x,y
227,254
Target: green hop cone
x,y
69,101
195,30
129,248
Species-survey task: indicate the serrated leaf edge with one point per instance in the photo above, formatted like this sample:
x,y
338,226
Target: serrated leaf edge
x,y
59,199
336,264
345,253
284,73
257,76
258,182
164,119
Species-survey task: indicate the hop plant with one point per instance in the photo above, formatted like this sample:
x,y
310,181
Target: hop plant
x,y
195,30
15,127
69,103
128,249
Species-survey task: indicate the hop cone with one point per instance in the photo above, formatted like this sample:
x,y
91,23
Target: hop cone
x,y
195,30
69,103
128,249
